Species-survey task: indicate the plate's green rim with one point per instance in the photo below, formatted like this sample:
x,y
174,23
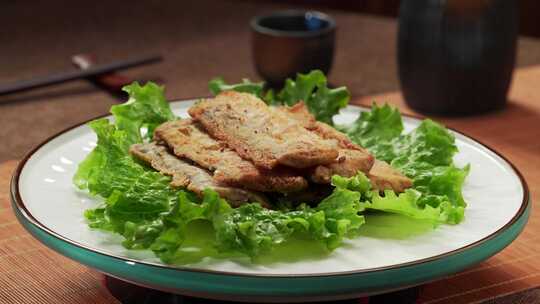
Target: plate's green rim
x,y
272,288
492,243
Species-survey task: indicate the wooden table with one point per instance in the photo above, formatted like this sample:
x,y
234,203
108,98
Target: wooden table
x,y
30,271
515,133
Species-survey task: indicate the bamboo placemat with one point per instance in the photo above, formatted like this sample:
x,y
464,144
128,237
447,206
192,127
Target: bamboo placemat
x,y
31,273
515,133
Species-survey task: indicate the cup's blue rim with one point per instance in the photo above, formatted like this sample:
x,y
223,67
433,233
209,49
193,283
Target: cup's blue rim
x,y
257,27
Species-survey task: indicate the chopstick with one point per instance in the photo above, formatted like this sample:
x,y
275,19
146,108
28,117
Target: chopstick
x,y
43,81
111,82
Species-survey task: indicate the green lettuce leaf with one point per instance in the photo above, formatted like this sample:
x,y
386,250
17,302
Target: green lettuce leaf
x,y
414,204
443,180
376,129
430,143
218,85
252,229
111,144
146,108
187,208
411,203
312,88
302,88
405,203
133,194
111,173
425,155
139,204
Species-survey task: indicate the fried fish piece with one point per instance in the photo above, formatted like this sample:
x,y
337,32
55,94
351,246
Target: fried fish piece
x,y
301,114
188,139
348,164
268,138
352,158
383,176
191,177
356,158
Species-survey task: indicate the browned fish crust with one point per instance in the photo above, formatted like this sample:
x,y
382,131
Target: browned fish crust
x,y
188,139
191,177
257,133
352,158
383,176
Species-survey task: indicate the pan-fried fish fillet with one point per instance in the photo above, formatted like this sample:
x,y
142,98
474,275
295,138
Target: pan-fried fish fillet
x,y
352,158
187,139
348,164
383,176
356,158
301,114
259,134
191,177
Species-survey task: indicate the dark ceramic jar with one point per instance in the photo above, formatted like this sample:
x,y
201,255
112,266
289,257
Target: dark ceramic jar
x,y
456,56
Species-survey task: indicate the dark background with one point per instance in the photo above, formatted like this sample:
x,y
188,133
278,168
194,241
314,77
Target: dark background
x,y
199,40
529,10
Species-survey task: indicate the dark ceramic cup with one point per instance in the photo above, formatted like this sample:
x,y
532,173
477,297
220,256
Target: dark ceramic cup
x,y
288,42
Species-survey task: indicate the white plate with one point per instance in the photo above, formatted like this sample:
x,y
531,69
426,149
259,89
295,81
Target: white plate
x,y
496,195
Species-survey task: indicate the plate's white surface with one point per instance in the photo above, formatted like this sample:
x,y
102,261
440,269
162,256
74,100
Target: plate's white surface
x,y
492,190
